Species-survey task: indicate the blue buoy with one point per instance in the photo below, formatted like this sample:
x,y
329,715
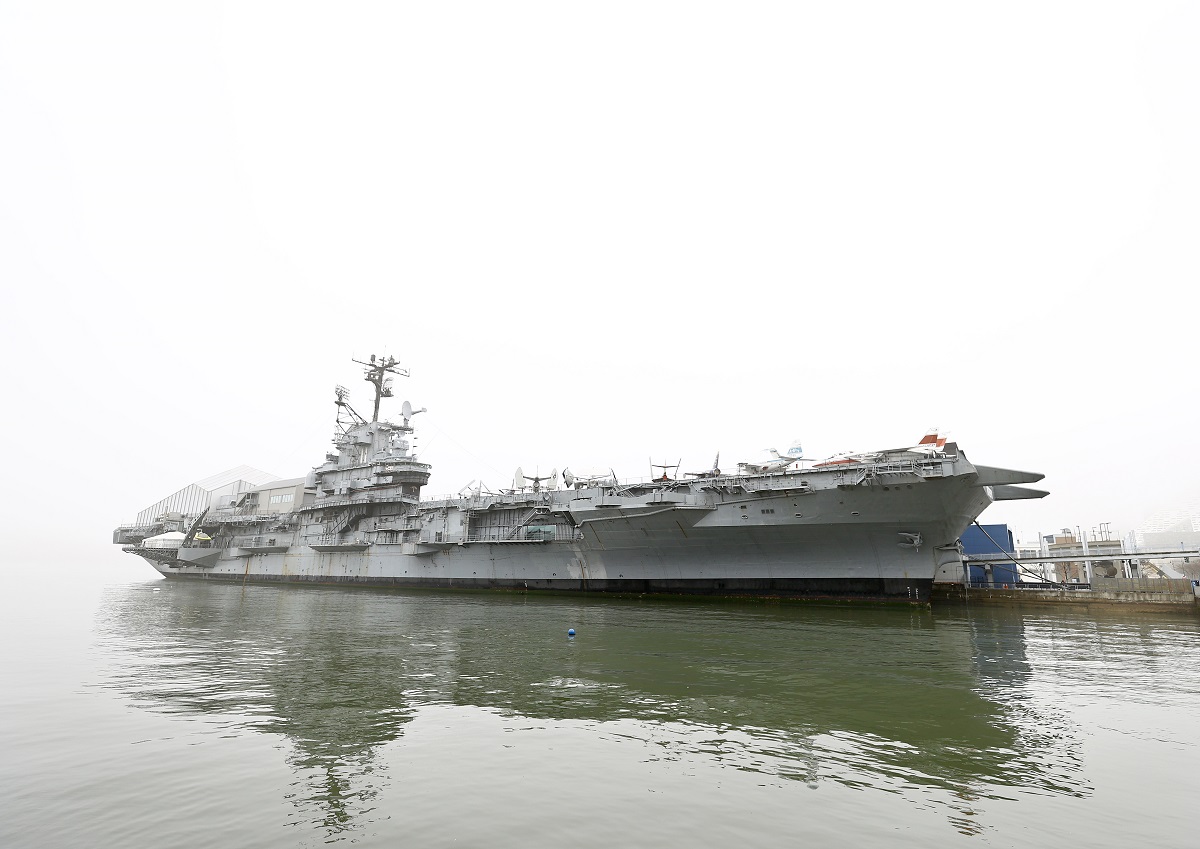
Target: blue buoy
x,y
570,632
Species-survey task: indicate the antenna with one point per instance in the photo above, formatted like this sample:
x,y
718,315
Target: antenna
x,y
347,417
407,412
377,370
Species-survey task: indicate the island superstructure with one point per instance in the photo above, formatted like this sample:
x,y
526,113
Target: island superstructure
x,y
880,525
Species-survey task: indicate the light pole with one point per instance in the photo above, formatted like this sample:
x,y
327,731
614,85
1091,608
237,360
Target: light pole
x,y
1087,564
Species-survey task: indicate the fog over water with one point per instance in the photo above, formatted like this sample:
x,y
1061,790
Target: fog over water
x,y
140,711
597,237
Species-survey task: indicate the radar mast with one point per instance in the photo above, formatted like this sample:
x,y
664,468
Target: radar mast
x,y
377,373
347,416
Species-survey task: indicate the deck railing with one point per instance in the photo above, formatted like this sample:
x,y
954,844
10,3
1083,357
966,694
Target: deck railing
x,y
1142,585
1106,585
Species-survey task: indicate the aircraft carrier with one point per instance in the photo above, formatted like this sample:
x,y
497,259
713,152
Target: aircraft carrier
x,y
882,525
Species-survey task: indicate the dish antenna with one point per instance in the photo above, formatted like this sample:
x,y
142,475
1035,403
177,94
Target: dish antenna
x,y
407,412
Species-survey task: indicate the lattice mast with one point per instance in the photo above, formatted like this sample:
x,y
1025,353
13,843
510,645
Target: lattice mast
x,y
377,373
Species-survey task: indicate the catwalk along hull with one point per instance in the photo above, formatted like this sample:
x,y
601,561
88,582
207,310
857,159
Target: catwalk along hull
x,y
883,525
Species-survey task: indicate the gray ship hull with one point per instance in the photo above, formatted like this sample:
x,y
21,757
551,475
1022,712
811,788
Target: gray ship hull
x,y
831,541
868,589
884,525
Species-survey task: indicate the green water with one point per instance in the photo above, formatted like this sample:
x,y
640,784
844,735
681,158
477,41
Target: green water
x,y
158,713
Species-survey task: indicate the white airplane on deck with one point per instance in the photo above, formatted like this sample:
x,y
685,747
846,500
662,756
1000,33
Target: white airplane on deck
x,y
714,472
574,481
775,463
932,443
535,482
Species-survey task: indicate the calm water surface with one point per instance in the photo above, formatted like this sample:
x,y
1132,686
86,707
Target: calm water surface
x,y
156,713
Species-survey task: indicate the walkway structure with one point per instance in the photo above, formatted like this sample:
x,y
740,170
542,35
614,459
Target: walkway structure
x,y
1126,558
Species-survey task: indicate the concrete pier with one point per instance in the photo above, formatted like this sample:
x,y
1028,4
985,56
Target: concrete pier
x,y
1173,599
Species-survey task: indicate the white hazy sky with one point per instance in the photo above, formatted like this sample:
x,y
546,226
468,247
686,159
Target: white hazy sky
x,y
597,233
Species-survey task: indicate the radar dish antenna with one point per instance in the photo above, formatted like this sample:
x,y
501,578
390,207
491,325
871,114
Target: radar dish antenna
x,y
407,412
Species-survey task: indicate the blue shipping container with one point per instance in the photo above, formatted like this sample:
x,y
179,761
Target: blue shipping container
x,y
976,541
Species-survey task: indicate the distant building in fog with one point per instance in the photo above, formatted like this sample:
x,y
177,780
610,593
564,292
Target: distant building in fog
x,y
1173,531
1176,530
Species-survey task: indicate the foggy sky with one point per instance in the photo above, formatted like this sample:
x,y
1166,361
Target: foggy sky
x,y
598,235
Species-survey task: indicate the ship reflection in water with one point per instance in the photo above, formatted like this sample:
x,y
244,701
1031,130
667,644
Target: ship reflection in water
x,y
932,706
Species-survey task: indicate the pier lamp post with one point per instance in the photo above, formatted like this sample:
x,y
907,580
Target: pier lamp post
x,y
1087,564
